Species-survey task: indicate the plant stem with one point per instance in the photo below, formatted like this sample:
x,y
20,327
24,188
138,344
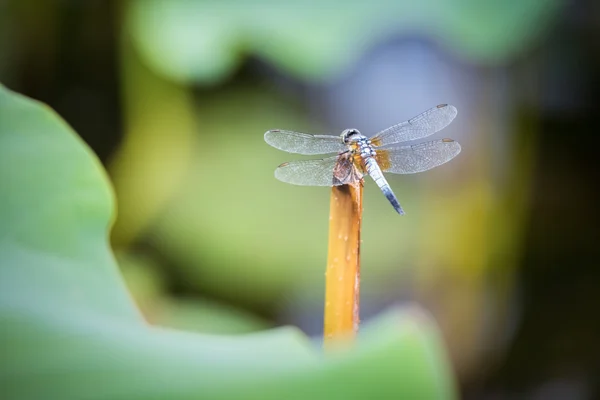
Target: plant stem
x,y
342,276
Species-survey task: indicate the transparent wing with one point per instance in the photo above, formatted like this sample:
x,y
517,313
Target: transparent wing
x,y
303,143
418,158
422,125
308,172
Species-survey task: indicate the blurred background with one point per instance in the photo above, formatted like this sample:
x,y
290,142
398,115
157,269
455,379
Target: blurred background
x,y
500,244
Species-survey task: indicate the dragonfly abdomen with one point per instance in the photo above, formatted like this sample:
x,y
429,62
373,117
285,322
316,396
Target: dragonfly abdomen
x,y
375,172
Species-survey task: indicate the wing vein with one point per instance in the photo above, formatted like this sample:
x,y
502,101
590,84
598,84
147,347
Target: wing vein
x,y
420,157
423,125
303,143
308,172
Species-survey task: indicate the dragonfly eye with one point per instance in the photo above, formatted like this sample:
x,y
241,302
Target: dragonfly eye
x,y
348,134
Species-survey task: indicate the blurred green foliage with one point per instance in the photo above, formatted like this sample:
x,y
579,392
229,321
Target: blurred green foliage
x,y
318,40
148,283
70,331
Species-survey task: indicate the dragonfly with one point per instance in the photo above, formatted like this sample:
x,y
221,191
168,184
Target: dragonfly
x,y
358,155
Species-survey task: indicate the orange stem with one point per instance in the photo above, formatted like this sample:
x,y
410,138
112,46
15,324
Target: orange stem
x,y
342,276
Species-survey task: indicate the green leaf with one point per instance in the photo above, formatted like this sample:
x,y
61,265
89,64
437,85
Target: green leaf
x,y
69,329
204,41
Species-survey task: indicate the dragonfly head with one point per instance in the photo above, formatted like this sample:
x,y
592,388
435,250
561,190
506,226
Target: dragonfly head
x,y
348,135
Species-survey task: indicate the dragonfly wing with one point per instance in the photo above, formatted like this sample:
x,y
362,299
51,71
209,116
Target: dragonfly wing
x,y
417,158
422,125
303,143
308,172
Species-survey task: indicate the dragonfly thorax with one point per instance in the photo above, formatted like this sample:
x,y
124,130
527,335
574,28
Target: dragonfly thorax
x,y
364,147
358,143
